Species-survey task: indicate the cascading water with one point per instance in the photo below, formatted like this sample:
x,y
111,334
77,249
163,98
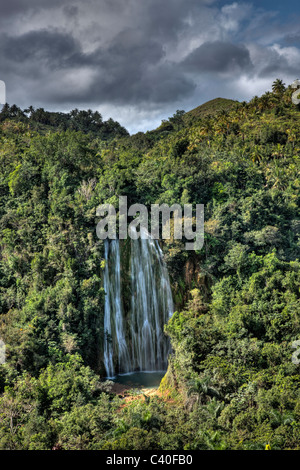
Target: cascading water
x,y
151,305
135,340
114,328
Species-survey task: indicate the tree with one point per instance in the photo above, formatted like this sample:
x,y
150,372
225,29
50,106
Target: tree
x,y
202,388
278,87
177,118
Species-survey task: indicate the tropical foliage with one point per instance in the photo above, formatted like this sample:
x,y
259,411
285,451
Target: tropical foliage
x,y
231,382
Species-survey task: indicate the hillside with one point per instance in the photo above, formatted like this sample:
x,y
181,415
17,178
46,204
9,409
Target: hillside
x,y
43,121
209,108
233,376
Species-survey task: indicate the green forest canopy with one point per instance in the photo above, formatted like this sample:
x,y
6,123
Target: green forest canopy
x,y
231,381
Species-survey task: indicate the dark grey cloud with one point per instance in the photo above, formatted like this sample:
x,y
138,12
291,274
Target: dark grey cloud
x,y
13,8
126,64
71,10
131,69
45,46
218,56
166,19
137,84
277,64
293,38
143,54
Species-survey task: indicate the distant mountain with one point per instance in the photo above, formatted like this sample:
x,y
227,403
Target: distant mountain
x,y
210,107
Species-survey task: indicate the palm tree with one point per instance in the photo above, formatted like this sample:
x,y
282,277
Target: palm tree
x,y
292,136
266,101
276,176
256,154
213,440
29,110
214,408
200,387
278,418
278,151
254,103
278,87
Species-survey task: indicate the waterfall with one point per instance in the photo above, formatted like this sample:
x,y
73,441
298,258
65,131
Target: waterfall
x,y
151,305
114,328
135,340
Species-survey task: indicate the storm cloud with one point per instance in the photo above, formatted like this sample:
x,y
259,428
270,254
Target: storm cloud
x,y
128,58
218,56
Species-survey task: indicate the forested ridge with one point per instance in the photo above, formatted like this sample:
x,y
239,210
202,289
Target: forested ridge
x,y
231,382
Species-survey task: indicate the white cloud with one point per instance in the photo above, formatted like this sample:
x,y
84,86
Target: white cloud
x,y
246,87
291,54
232,15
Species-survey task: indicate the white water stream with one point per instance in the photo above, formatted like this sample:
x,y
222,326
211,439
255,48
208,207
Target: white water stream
x,y
135,340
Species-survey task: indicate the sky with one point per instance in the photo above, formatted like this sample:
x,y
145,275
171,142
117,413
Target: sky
x,y
139,61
